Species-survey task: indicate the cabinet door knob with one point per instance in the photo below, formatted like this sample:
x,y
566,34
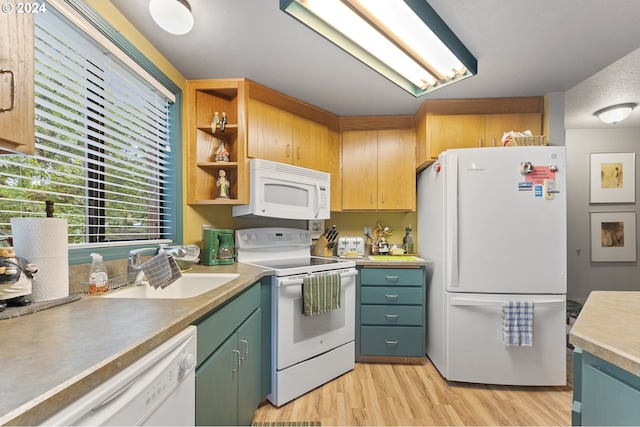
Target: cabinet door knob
x,y
288,150
391,316
387,296
13,91
299,153
388,342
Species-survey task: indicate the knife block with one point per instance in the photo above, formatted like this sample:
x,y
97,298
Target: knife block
x,y
320,247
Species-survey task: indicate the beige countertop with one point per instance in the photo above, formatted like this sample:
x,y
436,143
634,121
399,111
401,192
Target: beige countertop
x,y
609,327
52,357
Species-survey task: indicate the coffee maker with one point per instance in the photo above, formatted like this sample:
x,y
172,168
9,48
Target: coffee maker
x,y
218,247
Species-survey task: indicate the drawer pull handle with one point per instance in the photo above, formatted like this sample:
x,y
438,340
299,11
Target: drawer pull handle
x,y
391,316
387,342
391,278
387,296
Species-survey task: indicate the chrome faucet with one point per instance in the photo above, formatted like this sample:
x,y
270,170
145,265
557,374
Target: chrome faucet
x,y
135,261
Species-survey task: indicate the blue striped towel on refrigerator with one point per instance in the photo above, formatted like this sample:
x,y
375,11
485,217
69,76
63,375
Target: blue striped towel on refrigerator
x,y
517,323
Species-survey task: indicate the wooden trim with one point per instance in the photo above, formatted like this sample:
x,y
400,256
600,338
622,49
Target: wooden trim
x,y
527,104
376,122
284,102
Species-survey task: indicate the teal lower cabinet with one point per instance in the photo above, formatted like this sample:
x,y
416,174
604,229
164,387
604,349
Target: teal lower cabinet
x,y
229,370
390,310
603,394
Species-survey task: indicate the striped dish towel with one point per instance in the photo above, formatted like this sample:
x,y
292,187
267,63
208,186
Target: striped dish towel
x,y
320,293
517,323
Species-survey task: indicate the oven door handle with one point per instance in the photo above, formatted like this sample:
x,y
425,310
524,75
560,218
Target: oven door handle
x,y
299,281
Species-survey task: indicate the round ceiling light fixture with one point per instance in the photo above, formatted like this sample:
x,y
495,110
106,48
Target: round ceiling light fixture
x,y
173,16
615,113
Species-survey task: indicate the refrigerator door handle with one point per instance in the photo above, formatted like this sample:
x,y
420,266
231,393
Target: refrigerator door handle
x,y
471,301
451,212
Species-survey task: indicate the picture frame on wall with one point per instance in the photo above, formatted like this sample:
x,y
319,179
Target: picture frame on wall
x,y
613,178
613,236
316,228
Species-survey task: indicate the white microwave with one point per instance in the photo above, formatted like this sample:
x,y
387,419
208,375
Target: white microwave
x,y
278,190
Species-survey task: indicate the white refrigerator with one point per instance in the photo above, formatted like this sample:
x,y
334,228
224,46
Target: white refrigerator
x,y
493,223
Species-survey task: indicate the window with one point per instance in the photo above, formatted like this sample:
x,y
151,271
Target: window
x,y
103,145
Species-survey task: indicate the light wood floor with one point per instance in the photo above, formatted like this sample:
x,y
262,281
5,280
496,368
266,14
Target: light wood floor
x,y
385,394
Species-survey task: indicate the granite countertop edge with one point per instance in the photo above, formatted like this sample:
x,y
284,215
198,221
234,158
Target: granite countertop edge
x,y
607,328
60,354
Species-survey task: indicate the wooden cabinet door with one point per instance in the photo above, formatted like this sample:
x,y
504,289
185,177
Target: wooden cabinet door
x,y
270,133
312,146
455,131
396,170
17,128
498,124
360,170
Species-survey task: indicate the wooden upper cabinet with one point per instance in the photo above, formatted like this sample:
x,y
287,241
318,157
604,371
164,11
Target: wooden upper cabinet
x,y
455,131
498,124
360,170
396,170
17,125
280,136
468,123
205,98
378,170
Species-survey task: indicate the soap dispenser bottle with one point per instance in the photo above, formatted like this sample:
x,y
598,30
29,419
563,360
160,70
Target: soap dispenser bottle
x,y
98,279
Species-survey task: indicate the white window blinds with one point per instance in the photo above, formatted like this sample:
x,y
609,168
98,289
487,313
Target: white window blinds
x,y
102,144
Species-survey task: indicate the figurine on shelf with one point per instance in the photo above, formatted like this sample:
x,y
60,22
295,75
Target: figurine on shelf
x,y
15,279
223,185
222,155
214,122
223,121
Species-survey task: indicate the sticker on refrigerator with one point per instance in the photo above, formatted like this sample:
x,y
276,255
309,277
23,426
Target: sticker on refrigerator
x,y
539,174
538,190
525,186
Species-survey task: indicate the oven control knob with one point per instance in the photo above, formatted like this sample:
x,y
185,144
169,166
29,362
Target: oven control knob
x,y
244,237
253,236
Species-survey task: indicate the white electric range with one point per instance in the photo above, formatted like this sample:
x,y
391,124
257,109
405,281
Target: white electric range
x,y
307,351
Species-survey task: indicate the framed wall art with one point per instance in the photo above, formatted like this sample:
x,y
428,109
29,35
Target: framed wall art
x,y
613,236
613,178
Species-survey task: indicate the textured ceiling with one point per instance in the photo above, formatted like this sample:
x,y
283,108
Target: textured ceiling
x,y
524,48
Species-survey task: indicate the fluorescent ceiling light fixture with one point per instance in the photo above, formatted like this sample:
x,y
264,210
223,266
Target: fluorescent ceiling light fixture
x,y
173,16
405,41
615,113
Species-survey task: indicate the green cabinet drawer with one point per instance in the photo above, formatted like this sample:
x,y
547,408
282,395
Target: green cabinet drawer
x,y
391,276
392,341
391,315
391,295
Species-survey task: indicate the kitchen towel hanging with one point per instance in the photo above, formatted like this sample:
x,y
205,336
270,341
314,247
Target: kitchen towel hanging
x,y
517,323
161,270
320,293
44,242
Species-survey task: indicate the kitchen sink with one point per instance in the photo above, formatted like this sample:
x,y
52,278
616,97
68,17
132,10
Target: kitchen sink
x,y
187,286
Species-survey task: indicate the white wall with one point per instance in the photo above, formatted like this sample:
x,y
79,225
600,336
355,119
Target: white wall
x,y
585,276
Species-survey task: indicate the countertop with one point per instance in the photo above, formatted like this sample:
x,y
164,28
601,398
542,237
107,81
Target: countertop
x,y
52,357
609,327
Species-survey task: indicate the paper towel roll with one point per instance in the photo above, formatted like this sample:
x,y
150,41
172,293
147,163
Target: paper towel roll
x,y
44,242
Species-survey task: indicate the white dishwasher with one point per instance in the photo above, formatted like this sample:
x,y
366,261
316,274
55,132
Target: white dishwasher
x,y
158,389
